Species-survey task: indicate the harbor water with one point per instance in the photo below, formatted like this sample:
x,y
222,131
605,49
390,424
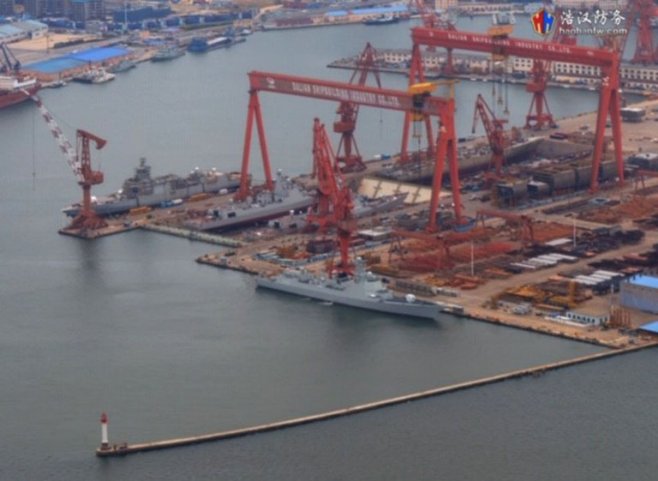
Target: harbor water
x,y
131,325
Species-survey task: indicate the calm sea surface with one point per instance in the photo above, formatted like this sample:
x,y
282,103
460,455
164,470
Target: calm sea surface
x,y
132,325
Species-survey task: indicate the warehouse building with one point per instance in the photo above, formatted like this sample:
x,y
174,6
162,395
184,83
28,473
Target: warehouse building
x,y
640,292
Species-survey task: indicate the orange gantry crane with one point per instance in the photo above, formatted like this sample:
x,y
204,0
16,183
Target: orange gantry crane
x,y
495,130
607,60
334,206
418,102
347,155
79,159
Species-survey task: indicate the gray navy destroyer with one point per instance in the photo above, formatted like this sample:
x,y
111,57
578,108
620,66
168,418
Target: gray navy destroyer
x,y
285,198
163,191
363,290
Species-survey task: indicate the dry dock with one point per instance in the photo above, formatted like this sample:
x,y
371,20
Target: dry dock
x,y
125,449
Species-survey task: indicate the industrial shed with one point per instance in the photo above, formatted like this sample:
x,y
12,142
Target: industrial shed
x,y
640,292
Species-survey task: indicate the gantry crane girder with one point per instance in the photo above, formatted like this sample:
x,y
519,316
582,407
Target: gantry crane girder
x,y
495,130
607,60
427,105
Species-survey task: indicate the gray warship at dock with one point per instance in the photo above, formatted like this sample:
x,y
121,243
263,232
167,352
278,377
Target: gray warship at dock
x,y
364,290
287,197
142,190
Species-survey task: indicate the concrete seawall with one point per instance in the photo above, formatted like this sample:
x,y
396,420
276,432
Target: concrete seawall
x,y
125,449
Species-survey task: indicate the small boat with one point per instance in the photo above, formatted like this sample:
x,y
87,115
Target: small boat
x,y
123,66
202,44
168,52
55,84
96,75
383,19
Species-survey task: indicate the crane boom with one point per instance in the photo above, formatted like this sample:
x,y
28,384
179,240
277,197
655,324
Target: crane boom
x,y
494,129
334,206
64,145
9,63
80,162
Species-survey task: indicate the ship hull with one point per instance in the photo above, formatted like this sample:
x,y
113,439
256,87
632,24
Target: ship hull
x,y
119,206
8,99
254,214
420,309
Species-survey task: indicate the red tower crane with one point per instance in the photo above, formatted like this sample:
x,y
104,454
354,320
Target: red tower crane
x,y
495,129
607,60
417,103
347,155
641,12
539,114
334,207
329,180
79,160
431,19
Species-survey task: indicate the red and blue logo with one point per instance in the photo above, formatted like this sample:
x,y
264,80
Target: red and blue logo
x,y
542,21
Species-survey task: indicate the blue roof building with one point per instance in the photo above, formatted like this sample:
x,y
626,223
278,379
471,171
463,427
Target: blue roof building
x,y
640,292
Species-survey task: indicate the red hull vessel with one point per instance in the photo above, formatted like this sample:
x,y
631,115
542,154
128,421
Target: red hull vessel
x,y
12,90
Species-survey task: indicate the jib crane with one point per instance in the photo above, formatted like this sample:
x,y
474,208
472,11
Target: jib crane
x,y
495,130
8,62
329,180
524,222
347,155
539,114
79,160
607,60
640,176
431,19
418,102
334,207
641,12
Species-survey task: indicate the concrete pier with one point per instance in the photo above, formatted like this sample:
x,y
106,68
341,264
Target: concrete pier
x,y
192,235
125,449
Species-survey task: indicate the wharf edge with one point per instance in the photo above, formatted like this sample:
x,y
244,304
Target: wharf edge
x,y
123,449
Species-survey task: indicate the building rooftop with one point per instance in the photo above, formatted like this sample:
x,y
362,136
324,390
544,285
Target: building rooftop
x,y
30,25
7,30
651,327
644,281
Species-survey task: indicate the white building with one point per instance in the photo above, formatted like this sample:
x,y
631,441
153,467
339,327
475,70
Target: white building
x,y
444,5
32,28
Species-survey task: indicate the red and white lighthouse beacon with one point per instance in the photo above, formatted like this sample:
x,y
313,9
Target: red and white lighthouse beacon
x,y
104,441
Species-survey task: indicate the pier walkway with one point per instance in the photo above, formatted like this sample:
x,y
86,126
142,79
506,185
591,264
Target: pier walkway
x,y
125,449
